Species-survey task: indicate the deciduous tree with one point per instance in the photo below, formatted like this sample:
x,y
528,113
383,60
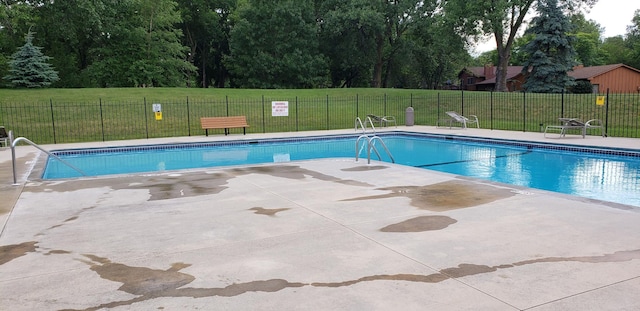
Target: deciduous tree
x,y
140,46
274,44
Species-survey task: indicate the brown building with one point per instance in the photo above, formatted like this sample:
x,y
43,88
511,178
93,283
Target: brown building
x,y
618,78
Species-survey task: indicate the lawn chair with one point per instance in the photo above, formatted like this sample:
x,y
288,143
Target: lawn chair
x,y
575,124
383,121
4,137
458,118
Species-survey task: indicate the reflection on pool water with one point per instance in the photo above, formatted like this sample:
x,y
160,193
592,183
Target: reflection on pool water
x,y
604,174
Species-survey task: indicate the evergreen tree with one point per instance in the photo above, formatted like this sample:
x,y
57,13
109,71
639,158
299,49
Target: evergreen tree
x,y
29,67
551,53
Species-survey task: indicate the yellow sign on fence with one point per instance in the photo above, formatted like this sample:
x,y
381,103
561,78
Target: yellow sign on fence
x,y
600,100
159,116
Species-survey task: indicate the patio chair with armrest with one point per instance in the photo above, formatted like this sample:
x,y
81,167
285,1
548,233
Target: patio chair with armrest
x,y
4,138
567,124
455,117
383,121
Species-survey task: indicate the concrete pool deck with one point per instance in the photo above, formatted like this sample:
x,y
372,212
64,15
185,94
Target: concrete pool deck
x,y
330,234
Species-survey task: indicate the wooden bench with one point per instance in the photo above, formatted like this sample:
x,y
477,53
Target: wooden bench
x,y
225,123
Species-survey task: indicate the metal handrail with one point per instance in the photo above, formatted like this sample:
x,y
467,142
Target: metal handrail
x,y
363,126
373,140
371,146
370,122
14,142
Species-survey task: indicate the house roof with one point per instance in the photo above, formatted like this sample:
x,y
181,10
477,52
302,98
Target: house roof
x,y
512,71
585,73
475,71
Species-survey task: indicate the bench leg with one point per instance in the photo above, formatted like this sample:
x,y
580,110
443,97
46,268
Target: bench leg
x,y
244,131
206,132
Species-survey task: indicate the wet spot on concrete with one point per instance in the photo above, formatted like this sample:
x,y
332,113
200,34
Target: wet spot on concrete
x,y
150,283
67,220
365,168
467,269
268,286
141,280
445,196
619,256
295,172
159,187
183,186
430,278
163,187
267,211
57,252
11,252
421,224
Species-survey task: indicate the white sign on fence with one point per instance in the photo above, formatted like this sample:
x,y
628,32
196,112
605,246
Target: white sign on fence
x,y
280,109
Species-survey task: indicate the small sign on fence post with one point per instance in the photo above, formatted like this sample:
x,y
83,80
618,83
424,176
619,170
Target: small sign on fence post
x,y
600,100
279,109
157,109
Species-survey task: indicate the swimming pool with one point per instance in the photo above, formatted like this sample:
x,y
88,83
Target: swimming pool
x,y
598,173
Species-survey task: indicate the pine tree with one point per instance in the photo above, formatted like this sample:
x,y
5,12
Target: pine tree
x,y
551,53
29,67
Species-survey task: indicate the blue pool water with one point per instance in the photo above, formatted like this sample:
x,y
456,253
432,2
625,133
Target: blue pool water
x,y
604,174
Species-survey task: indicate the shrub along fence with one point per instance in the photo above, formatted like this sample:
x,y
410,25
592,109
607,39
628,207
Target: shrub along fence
x,y
65,122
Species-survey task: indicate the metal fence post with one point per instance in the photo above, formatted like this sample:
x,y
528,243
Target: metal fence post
x,y
562,105
491,109
101,119
328,111
357,106
606,114
53,121
188,118
146,117
385,104
524,111
264,124
297,129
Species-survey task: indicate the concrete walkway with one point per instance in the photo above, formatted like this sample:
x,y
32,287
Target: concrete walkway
x,y
330,234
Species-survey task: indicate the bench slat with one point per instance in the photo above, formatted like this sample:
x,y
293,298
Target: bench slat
x,y
225,123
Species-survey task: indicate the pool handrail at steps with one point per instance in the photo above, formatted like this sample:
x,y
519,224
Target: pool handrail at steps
x,y
14,142
371,146
363,126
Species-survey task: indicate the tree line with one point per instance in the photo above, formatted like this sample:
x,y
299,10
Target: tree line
x,y
284,43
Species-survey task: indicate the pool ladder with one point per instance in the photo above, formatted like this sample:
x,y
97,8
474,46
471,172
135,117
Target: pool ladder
x,y
371,140
14,142
363,125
